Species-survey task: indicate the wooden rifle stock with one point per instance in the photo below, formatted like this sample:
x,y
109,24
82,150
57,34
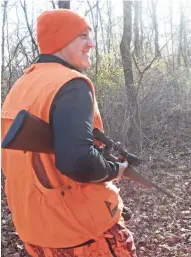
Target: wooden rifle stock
x,y
29,133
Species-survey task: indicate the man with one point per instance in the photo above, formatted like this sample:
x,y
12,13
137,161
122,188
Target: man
x,y
63,204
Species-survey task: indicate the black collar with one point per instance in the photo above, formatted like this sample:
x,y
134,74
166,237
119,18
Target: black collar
x,y
44,58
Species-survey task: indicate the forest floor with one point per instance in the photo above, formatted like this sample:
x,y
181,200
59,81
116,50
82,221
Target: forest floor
x,y
161,225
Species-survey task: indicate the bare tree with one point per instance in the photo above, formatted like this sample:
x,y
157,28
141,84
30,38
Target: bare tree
x,y
155,26
186,45
181,30
102,29
4,7
109,27
166,37
95,21
134,124
125,44
33,42
141,29
136,28
53,4
172,37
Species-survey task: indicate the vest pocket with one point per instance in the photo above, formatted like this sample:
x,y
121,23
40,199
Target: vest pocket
x,y
40,171
103,204
51,196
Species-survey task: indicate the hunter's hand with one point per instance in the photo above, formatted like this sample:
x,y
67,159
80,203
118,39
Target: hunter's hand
x,y
122,167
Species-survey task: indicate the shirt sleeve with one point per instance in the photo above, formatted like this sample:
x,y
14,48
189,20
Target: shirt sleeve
x,y
71,117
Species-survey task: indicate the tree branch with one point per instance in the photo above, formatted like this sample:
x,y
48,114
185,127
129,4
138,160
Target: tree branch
x,y
3,37
34,45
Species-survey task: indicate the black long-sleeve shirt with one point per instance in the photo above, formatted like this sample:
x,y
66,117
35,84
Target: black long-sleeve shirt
x,y
71,118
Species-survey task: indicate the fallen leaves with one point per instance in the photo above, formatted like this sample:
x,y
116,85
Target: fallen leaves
x,y
161,226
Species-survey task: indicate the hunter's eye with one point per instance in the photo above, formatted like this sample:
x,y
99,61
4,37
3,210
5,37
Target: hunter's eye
x,y
84,36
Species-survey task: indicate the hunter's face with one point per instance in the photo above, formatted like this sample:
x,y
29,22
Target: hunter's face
x,y
77,52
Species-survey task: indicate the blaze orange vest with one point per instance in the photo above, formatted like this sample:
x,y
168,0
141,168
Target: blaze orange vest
x,y
49,209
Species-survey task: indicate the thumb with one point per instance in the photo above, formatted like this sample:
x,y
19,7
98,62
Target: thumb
x,y
122,167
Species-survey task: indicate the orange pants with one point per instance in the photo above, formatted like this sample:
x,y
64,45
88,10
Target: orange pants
x,y
116,242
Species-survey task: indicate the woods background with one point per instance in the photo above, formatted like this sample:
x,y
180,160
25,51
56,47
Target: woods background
x,y
141,71
141,65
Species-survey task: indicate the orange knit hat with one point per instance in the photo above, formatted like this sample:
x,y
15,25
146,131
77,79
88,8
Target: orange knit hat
x,y
57,28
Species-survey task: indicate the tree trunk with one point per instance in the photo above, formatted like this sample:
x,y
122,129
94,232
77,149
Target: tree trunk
x,y
96,38
166,38
172,37
185,46
109,27
141,31
180,46
155,26
125,44
95,21
53,4
34,46
136,29
133,129
4,7
102,29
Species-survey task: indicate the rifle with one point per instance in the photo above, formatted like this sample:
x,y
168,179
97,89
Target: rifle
x,y
132,159
30,133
